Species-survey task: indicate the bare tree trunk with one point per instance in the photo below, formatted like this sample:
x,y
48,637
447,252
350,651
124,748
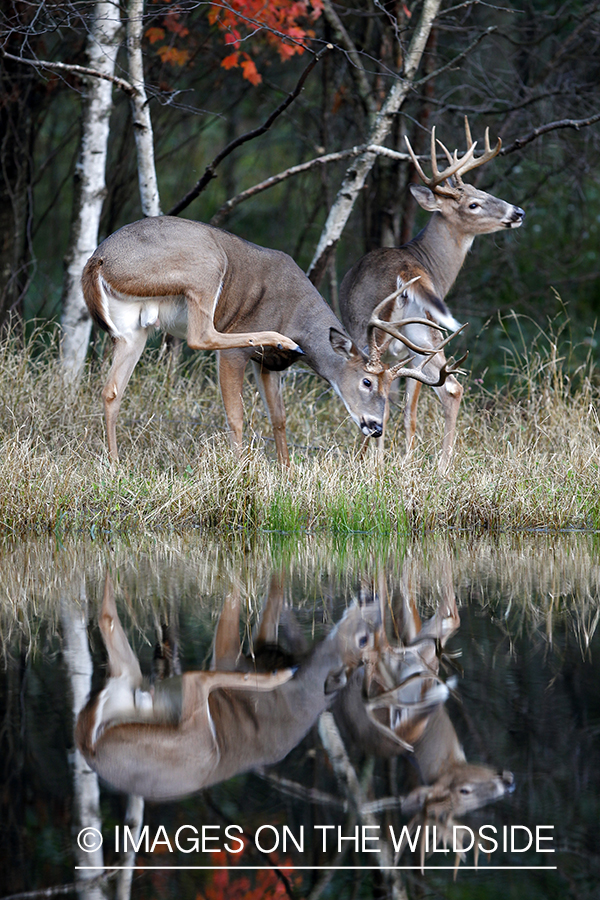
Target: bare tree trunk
x,y
357,173
90,187
142,124
78,661
348,779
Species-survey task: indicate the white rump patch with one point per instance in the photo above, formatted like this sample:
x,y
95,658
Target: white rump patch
x,y
125,314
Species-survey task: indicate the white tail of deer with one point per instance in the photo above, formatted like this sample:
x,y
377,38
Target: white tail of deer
x,y
222,293
423,271
204,727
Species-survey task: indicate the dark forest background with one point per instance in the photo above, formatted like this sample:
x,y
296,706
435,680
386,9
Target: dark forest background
x,y
517,67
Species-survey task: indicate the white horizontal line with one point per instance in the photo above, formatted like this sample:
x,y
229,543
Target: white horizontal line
x,y
319,868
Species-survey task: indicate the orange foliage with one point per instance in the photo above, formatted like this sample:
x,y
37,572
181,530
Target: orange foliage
x,y
168,53
226,884
283,25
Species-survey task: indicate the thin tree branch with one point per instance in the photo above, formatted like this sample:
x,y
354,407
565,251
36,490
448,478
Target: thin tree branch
x,y
450,65
230,204
544,129
209,172
357,173
72,68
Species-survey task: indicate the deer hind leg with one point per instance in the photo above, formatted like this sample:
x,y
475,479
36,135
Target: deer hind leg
x,y
202,334
127,351
269,385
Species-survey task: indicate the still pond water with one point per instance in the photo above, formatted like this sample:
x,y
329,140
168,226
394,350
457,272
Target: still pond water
x,y
351,689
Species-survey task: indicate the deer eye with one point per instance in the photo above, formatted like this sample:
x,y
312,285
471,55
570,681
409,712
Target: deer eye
x,y
367,382
473,205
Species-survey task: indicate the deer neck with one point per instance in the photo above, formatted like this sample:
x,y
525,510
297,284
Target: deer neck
x,y
442,250
438,749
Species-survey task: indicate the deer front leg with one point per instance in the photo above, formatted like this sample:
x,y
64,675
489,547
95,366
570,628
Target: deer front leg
x,y
269,385
127,352
202,334
231,365
450,395
413,389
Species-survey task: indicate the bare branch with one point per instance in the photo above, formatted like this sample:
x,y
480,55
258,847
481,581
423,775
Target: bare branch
x,y
550,126
358,171
209,172
229,205
74,69
456,59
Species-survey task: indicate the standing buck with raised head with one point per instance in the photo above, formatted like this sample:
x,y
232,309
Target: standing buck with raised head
x,y
220,292
424,270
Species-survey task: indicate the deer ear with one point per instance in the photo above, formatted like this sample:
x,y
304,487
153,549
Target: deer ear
x,y
425,197
341,343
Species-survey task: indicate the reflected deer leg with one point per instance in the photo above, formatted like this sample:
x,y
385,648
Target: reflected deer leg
x,y
268,630
269,385
127,352
226,645
231,365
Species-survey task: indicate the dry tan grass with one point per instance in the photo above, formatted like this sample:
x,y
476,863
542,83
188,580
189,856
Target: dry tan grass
x,y
527,455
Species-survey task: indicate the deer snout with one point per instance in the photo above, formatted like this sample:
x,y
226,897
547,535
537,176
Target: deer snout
x,y
516,217
508,780
371,428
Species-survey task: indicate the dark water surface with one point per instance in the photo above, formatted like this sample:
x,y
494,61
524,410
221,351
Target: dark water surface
x,y
377,664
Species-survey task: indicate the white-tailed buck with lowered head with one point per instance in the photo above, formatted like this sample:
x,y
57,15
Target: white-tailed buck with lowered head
x,y
201,728
222,293
424,270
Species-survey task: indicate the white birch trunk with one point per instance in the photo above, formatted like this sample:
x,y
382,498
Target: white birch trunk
x,y
76,652
102,47
357,173
142,124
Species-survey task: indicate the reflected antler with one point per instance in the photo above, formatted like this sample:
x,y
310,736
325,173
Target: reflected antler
x,y
458,166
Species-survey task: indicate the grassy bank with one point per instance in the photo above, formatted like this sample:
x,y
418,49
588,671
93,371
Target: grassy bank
x,y
527,454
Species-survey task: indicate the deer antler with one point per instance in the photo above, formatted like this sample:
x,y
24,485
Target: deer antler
x,y
450,367
458,166
393,328
436,182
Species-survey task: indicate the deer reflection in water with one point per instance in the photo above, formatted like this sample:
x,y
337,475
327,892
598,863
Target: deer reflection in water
x,y
394,706
203,727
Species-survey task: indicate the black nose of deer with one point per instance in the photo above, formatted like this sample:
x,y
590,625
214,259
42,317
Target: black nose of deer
x,y
372,428
517,217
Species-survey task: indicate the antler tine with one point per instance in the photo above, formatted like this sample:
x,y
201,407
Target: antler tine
x,y
449,368
468,132
488,152
416,163
434,167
